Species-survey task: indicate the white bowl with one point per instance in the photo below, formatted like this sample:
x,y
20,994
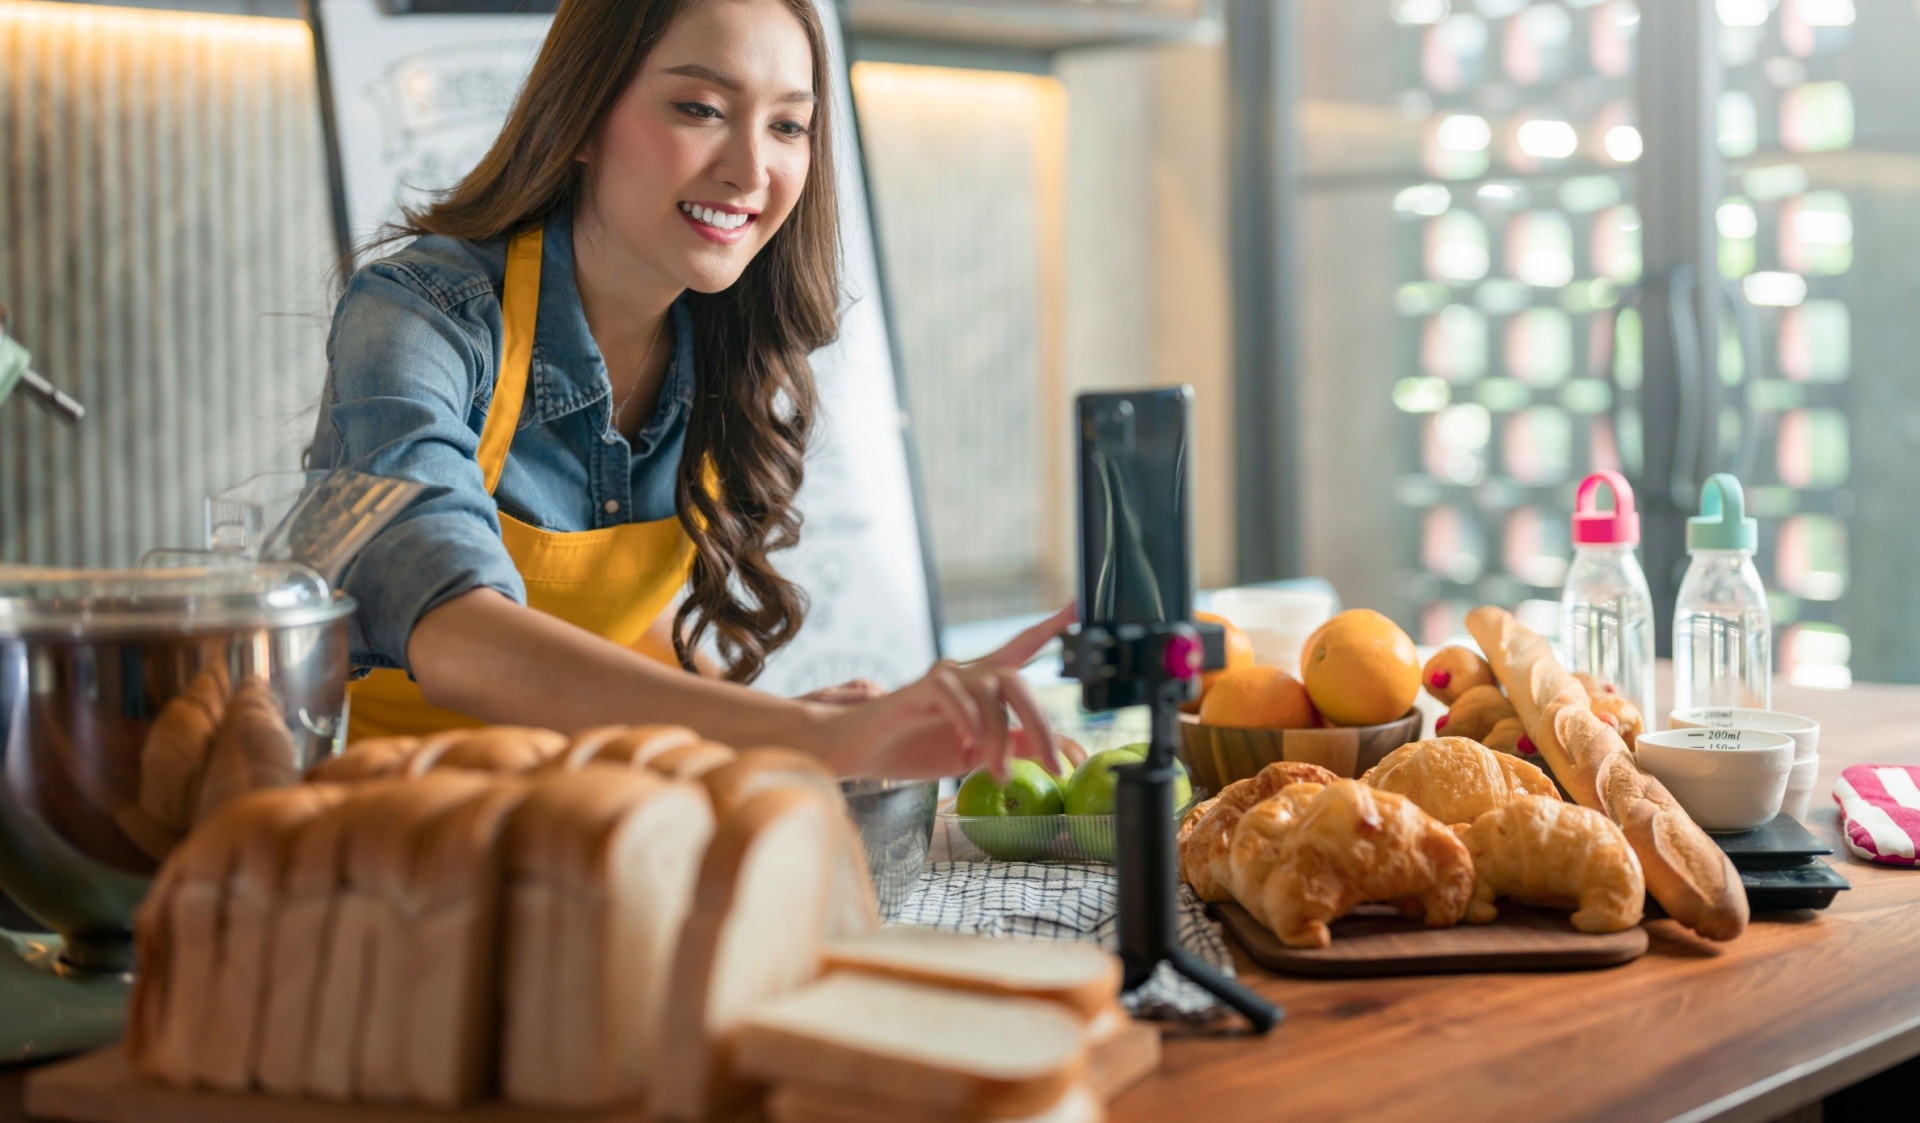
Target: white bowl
x,y
1727,779
1804,730
1800,781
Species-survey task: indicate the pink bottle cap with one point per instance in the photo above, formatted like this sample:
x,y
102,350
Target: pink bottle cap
x,y
1595,526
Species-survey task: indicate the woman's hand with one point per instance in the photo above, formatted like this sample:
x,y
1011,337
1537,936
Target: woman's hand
x,y
954,719
847,693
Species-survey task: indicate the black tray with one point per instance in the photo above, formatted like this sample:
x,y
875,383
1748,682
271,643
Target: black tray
x,y
1781,838
1810,886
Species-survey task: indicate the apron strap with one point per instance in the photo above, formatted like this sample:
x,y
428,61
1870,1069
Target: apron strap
x,y
519,307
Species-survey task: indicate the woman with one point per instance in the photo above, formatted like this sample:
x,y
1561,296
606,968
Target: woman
x,y
596,350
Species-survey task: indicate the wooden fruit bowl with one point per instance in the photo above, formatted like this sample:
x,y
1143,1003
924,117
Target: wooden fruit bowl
x,y
1218,755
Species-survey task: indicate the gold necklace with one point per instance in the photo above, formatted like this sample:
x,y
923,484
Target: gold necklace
x,y
620,406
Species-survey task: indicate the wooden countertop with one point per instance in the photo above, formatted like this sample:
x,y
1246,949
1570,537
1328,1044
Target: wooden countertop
x,y
1801,1005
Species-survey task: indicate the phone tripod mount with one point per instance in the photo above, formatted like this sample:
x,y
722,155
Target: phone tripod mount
x,y
1157,665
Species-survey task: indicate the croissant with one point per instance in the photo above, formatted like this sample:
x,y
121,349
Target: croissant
x,y
1544,851
1456,780
1203,839
1253,846
1474,714
1509,738
1355,844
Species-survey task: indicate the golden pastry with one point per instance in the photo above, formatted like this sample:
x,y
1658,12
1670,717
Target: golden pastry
x,y
1624,716
1546,852
1453,671
1509,738
1253,846
1474,714
1456,780
1354,844
1204,837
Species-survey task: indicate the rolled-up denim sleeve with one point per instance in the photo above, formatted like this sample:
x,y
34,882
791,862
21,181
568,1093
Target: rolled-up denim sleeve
x,y
403,375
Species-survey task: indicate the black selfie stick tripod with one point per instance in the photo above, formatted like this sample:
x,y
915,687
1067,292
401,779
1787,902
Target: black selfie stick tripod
x,y
1157,664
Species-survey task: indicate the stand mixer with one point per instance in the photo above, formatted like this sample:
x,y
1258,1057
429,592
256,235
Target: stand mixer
x,y
94,665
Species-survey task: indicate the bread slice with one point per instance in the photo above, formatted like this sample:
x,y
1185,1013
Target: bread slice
x,y
808,1103
926,1045
1080,977
620,744
431,1022
372,759
298,942
229,1015
690,762
177,942
365,950
755,933
498,749
602,864
856,910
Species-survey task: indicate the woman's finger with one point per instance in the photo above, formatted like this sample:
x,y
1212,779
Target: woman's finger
x,y
1040,741
948,689
984,685
1020,650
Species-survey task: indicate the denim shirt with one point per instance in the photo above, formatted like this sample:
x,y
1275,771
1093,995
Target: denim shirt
x,y
412,363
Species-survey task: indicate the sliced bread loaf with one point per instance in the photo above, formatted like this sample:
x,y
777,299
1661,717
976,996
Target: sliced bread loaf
x,y
755,933
601,869
808,1103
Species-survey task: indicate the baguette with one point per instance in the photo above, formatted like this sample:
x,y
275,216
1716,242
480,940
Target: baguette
x,y
754,935
1691,877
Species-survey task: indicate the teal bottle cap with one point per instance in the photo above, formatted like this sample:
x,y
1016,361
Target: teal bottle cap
x,y
1722,523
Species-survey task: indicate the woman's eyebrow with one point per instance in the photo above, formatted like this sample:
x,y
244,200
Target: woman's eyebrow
x,y
728,82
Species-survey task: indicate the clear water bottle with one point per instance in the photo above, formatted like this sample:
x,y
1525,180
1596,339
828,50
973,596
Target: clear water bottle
x,y
1722,634
1606,612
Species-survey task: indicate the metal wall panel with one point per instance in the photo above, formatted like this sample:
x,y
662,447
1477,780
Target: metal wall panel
x,y
164,246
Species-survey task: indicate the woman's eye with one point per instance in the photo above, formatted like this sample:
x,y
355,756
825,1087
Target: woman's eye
x,y
792,129
699,109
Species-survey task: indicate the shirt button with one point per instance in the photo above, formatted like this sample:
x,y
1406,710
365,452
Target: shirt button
x,y
611,506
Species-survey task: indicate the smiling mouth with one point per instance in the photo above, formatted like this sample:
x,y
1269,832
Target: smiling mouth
x,y
719,220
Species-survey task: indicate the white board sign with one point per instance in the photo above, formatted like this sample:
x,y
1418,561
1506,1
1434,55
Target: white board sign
x,y
417,100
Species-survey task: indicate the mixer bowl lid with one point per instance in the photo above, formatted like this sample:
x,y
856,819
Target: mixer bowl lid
x,y
85,603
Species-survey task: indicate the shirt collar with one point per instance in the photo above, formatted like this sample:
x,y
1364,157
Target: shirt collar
x,y
568,372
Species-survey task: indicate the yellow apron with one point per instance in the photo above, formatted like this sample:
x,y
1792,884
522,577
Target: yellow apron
x,y
614,582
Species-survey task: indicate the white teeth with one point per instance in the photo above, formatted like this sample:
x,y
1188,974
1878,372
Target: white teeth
x,y
719,220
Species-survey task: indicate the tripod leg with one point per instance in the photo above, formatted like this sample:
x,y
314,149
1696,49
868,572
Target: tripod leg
x,y
1260,1013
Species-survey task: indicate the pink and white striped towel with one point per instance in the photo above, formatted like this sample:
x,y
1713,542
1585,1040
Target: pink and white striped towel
x,y
1880,804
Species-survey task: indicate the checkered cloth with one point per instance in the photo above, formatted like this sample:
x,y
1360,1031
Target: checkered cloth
x,y
1063,901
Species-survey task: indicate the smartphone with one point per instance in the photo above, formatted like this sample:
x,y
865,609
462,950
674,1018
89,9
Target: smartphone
x,y
1136,509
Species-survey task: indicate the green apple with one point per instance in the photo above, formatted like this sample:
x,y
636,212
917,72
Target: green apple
x,y
1001,819
1091,793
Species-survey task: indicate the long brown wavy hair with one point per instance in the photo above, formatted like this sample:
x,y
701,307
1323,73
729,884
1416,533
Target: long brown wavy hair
x,y
754,402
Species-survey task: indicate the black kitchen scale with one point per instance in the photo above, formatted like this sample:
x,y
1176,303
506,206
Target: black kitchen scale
x,y
1780,866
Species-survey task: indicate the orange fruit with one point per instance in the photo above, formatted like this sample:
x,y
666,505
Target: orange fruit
x,y
1360,668
1239,650
1258,698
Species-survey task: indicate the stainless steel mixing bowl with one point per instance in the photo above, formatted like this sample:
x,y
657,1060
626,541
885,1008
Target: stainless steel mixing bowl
x,y
895,821
88,662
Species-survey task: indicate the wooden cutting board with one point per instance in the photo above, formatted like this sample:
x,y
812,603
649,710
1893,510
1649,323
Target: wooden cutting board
x,y
100,1087
1522,939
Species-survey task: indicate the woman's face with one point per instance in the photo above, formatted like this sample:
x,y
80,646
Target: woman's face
x,y
703,156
